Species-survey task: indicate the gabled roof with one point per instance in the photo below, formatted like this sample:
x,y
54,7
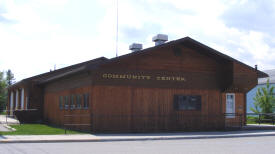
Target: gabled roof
x,y
95,63
191,43
41,78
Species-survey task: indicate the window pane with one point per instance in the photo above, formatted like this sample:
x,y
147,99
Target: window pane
x,y
72,102
86,100
187,102
78,101
66,102
60,102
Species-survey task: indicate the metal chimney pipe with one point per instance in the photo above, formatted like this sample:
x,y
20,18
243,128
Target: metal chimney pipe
x,y
160,39
135,47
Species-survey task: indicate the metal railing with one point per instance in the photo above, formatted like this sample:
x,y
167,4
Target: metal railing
x,y
260,118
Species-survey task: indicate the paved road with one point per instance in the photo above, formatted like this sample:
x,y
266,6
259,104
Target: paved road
x,y
247,145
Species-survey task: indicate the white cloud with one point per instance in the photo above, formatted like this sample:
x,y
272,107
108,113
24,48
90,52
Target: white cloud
x,y
36,43
50,2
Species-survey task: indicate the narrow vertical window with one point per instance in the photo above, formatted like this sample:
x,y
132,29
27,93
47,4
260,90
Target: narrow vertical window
x,y
66,102
72,102
60,102
86,101
78,101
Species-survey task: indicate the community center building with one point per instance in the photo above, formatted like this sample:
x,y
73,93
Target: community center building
x,y
172,86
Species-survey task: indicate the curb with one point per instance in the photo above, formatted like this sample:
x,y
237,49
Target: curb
x,y
135,139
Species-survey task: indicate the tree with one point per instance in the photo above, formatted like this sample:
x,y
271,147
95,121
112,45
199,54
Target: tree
x,y
3,91
10,78
264,101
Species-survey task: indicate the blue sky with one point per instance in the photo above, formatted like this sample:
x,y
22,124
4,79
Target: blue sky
x,y
35,35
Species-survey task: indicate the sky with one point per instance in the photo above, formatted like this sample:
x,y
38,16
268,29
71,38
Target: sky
x,y
38,35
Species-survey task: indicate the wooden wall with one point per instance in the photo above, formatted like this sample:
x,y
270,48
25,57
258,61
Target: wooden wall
x,y
79,84
165,59
244,78
54,115
124,109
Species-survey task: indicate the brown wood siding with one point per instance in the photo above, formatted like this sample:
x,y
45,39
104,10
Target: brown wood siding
x,y
191,80
78,84
165,59
36,98
54,115
201,71
112,108
71,82
244,78
124,109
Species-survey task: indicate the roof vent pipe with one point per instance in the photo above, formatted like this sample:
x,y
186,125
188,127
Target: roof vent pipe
x,y
135,47
160,39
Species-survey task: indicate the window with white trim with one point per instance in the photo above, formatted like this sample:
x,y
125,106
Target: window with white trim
x,y
230,105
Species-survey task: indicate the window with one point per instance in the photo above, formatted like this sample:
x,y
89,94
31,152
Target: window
x,y
66,102
78,101
72,102
187,102
60,102
86,101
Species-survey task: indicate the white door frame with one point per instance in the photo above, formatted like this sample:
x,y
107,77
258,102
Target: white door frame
x,y
227,106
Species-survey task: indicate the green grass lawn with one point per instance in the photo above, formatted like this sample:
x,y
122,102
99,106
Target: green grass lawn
x,y
37,129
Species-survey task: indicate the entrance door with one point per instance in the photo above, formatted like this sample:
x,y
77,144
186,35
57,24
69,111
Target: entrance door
x,y
230,105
